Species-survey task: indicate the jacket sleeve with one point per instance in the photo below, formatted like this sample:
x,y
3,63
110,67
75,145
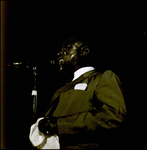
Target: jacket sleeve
x,y
109,101
108,109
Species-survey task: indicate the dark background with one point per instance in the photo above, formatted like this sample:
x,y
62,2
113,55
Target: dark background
x,y
35,31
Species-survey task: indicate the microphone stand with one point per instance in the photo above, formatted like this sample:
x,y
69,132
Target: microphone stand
x,y
34,93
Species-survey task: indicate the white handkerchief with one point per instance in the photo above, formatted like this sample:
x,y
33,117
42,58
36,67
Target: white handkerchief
x,y
51,142
80,86
40,140
35,136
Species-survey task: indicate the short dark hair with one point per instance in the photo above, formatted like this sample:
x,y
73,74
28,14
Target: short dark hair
x,y
86,60
71,40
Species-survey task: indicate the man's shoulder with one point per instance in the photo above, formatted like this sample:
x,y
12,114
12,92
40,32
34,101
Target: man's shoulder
x,y
99,73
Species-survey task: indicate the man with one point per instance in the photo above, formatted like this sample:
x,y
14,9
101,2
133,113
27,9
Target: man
x,y
84,113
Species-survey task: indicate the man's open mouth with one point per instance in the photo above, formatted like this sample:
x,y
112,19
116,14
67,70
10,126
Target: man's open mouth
x,y
61,61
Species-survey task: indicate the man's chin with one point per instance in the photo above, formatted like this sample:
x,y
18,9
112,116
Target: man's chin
x,y
61,68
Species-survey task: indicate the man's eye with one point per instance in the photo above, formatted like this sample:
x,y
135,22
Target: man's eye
x,y
68,46
62,53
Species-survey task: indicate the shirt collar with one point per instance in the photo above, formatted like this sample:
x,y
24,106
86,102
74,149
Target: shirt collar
x,y
81,71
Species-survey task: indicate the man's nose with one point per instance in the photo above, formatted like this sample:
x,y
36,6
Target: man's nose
x,y
61,53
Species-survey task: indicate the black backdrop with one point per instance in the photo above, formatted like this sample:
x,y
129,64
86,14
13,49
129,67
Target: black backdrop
x,y
35,30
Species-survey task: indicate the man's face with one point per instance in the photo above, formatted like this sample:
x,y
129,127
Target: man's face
x,y
69,55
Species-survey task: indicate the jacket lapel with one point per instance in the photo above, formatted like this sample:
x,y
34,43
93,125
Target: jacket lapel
x,y
69,85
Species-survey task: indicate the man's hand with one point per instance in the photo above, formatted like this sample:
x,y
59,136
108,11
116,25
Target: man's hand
x,y
47,127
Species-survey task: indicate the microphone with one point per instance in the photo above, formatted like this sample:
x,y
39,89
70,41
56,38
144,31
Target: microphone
x,y
19,64
27,64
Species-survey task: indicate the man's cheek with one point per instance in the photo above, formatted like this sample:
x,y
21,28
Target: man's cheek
x,y
71,57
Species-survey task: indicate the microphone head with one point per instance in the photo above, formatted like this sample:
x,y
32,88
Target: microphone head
x,y
27,64
19,64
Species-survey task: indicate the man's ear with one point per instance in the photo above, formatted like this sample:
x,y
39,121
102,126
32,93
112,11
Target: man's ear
x,y
84,50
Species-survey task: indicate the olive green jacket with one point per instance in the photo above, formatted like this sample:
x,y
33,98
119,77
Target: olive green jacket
x,y
85,116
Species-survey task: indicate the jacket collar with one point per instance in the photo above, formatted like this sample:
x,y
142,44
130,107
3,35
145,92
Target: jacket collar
x,y
81,71
70,84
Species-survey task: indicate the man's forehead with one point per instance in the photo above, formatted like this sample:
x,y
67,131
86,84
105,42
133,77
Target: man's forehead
x,y
76,43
